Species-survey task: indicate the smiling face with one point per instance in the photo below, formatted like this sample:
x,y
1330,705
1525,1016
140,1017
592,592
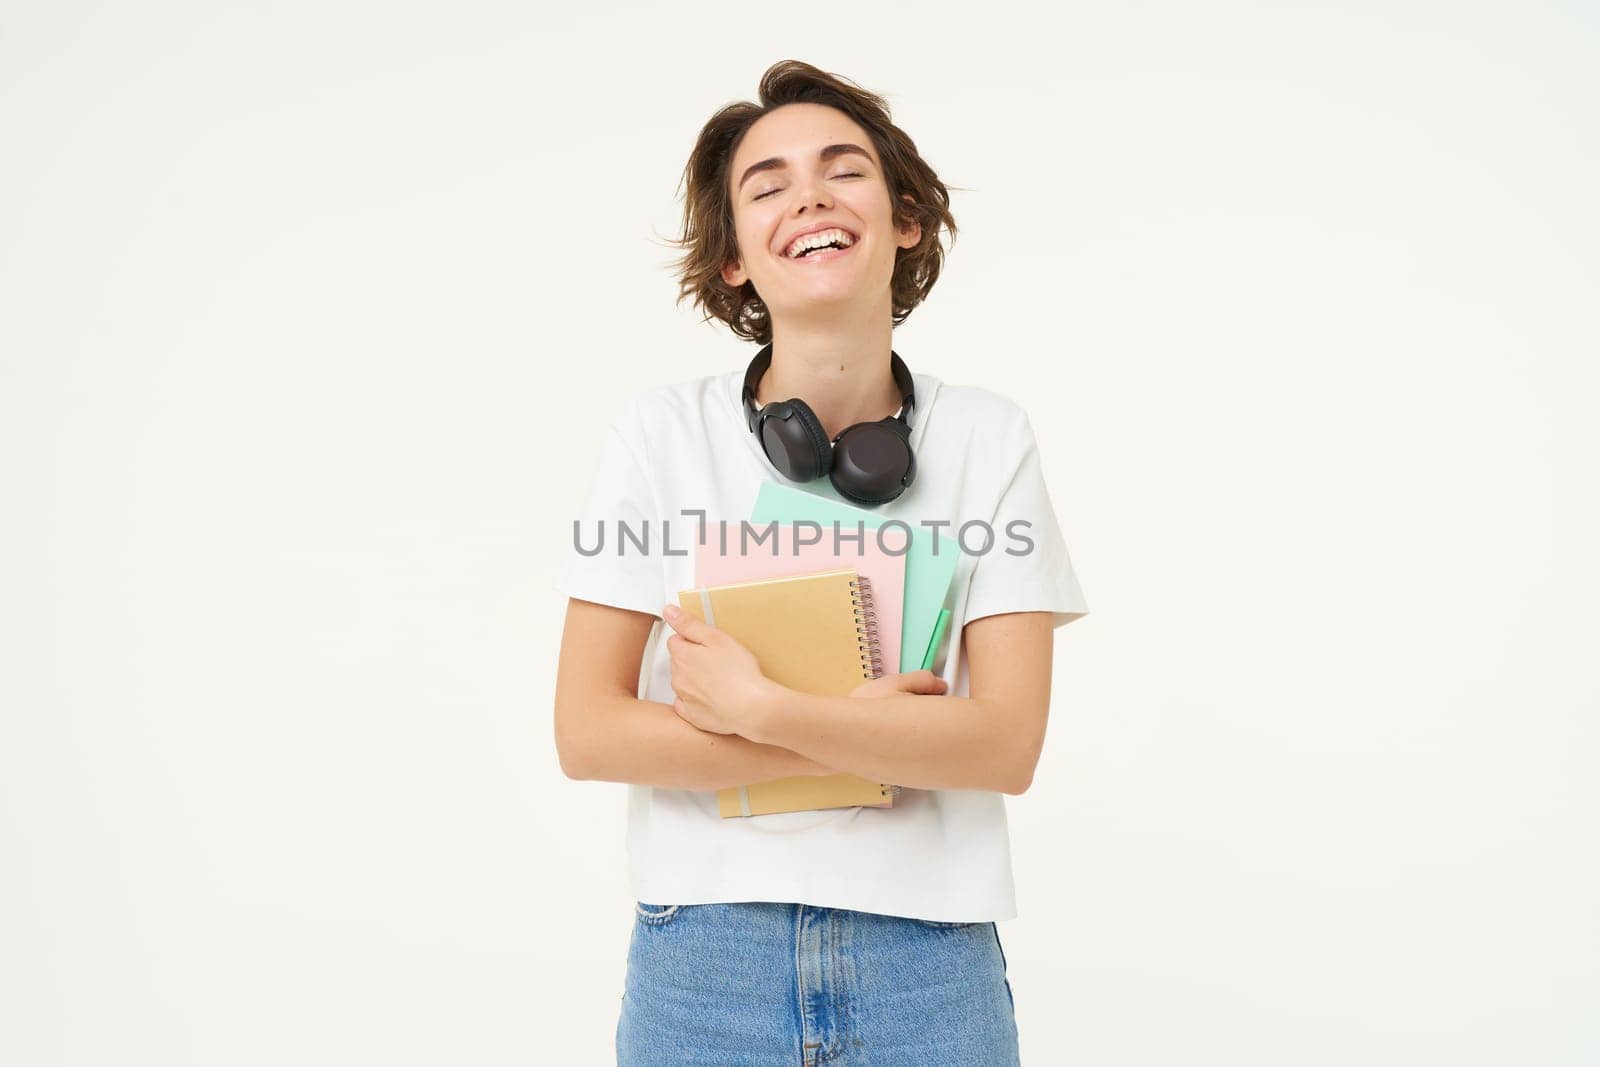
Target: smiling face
x,y
805,167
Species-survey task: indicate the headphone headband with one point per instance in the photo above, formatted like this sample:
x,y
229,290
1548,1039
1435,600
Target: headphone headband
x,y
763,360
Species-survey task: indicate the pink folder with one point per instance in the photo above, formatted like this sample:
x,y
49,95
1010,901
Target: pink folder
x,y
885,570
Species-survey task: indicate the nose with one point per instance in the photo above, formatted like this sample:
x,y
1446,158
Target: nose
x,y
812,191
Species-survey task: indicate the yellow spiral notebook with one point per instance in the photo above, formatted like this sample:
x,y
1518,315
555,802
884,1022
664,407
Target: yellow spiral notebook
x,y
814,633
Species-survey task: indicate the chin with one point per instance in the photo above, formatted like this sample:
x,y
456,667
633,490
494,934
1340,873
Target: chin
x,y
838,290
804,302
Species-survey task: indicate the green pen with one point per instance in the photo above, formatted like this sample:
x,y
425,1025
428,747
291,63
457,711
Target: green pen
x,y
940,626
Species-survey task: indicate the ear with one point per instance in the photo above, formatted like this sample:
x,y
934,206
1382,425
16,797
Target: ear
x,y
911,233
733,275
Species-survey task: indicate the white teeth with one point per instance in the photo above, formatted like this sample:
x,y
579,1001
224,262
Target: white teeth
x,y
821,237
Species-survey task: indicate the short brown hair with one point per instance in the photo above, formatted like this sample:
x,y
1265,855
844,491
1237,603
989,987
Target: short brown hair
x,y
708,230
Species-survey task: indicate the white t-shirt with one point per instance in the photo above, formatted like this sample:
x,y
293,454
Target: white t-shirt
x,y
936,854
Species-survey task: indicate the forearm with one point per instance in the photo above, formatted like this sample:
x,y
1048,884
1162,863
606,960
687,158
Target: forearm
x,y
916,741
644,742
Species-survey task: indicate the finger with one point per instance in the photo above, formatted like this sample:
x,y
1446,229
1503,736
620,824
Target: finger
x,y
924,683
687,625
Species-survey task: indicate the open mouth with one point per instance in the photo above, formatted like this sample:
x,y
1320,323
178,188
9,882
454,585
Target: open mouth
x,y
821,246
825,255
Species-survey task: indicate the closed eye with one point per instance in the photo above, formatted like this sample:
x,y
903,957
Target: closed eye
x,y
846,174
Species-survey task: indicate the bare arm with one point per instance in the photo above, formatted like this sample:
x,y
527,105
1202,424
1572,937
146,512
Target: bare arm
x,y
604,732
990,740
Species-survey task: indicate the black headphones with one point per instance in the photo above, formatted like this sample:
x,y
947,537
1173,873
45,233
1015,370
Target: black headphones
x,y
869,463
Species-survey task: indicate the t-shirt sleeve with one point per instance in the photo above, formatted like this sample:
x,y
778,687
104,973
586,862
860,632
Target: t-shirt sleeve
x,y
1027,568
601,565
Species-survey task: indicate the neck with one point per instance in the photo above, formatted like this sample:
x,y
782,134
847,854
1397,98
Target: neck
x,y
842,372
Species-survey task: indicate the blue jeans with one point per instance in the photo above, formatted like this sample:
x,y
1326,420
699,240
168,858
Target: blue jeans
x,y
764,984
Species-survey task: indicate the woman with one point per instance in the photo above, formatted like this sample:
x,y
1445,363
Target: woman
x,y
852,934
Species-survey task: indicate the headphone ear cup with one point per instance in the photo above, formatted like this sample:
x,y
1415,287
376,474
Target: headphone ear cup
x,y
794,440
821,447
873,462
910,475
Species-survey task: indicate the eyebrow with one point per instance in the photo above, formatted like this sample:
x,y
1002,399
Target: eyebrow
x,y
779,163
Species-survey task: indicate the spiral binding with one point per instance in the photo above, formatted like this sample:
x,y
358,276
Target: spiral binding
x,y
871,651
866,626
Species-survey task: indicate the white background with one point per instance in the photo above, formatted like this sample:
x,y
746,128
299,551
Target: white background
x,y
311,320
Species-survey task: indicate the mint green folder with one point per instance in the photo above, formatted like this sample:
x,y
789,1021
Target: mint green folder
x,y
928,576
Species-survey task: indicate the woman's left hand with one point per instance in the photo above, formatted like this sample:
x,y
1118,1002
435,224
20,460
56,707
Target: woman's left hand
x,y
716,679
